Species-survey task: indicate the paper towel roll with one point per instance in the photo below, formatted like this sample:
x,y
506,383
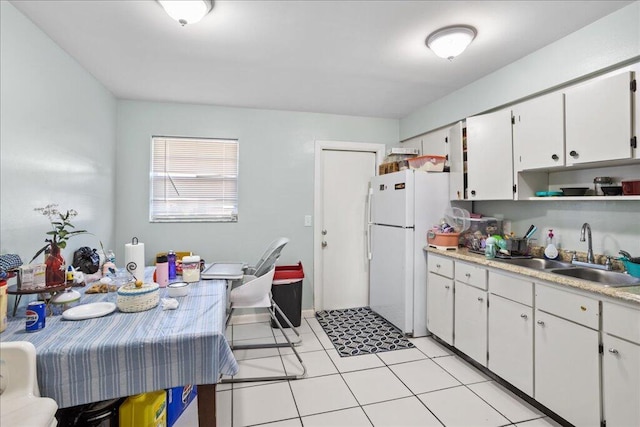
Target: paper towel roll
x,y
134,258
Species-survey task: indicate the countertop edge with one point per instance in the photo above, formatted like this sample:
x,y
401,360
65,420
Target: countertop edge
x,y
630,294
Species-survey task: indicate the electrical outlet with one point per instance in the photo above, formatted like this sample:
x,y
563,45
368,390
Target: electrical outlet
x,y
307,220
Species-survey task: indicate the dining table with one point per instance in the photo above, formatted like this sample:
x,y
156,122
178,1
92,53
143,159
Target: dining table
x,y
120,354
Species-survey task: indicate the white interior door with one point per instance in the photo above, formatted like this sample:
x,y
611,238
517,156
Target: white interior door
x,y
342,279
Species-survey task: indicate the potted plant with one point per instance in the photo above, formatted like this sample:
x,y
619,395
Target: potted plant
x,y
62,230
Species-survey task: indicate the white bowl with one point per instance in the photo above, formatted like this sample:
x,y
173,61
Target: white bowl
x,y
177,289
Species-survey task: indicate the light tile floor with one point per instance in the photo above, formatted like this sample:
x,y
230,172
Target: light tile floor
x,y
425,386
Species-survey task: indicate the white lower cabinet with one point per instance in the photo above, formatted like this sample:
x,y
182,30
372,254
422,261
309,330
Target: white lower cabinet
x,y
621,365
471,322
511,342
567,356
440,307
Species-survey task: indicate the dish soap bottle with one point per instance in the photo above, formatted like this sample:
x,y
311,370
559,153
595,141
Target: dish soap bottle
x,y
550,252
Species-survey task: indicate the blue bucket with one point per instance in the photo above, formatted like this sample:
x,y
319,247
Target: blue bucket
x,y
631,267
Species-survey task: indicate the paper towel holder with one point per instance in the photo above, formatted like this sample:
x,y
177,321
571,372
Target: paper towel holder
x,y
134,241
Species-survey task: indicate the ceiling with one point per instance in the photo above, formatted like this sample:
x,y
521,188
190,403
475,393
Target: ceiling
x,y
363,58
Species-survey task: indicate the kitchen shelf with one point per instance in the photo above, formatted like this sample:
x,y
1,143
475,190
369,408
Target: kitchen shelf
x,y
600,198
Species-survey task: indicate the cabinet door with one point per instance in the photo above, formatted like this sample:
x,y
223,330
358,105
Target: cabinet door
x,y
471,322
511,342
490,156
456,162
538,133
567,369
621,382
440,307
598,120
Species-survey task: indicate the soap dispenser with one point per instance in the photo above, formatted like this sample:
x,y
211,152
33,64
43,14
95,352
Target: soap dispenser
x,y
550,252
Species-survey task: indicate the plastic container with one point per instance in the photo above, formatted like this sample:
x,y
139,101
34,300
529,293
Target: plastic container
x,y
144,410
3,305
428,163
480,229
178,289
191,269
162,271
178,398
171,258
287,293
443,240
631,188
632,268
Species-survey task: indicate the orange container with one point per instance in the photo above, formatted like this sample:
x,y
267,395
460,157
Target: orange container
x,y
443,240
428,163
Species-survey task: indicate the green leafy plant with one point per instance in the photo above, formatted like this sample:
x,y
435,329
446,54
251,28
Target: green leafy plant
x,y
61,227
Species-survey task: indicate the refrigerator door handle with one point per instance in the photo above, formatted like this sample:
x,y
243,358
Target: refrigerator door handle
x,y
369,224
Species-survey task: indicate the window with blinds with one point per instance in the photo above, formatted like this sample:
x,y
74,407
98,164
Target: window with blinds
x,y
194,179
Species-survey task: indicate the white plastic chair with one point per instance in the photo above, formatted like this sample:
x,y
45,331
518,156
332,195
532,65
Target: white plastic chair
x,y
20,401
268,258
255,292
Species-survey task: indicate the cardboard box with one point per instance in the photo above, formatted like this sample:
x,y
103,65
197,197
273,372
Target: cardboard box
x,y
178,398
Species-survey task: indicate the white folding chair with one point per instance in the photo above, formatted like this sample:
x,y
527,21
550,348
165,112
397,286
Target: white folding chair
x,y
20,401
255,292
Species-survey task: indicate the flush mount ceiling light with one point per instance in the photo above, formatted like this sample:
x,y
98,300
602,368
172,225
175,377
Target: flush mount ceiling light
x,y
450,42
187,11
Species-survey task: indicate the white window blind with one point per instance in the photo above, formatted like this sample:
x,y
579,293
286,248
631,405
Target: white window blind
x,y
194,179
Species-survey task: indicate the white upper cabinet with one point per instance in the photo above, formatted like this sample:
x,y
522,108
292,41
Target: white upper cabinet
x,y
538,133
599,120
435,142
490,156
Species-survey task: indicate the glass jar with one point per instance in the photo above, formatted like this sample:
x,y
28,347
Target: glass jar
x,y
191,268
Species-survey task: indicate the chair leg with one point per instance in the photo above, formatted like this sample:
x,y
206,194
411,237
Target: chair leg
x,y
286,319
289,343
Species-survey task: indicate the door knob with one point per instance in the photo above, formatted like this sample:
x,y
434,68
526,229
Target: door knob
x,y
324,244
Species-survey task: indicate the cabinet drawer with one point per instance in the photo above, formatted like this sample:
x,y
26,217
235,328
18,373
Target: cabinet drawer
x,y
621,321
576,308
512,288
472,275
440,265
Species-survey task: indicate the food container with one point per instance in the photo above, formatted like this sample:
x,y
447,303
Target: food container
x,y
428,163
62,301
479,230
131,299
631,188
178,289
574,191
191,269
443,240
516,246
614,190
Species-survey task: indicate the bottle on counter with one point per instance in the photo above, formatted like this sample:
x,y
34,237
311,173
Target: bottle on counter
x,y
171,259
191,268
162,271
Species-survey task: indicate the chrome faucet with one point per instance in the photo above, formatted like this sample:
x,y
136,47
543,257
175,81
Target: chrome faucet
x,y
586,227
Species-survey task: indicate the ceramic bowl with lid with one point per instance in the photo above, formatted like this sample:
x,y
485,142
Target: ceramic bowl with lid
x,y
63,301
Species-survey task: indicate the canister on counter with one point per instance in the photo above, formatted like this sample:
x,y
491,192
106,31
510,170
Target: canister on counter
x,y
36,315
191,268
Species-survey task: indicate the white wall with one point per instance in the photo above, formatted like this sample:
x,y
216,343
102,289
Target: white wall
x,y
611,40
275,182
57,140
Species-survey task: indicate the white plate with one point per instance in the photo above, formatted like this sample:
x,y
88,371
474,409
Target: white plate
x,y
88,311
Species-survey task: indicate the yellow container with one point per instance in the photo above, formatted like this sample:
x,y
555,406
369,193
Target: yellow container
x,y
3,305
144,410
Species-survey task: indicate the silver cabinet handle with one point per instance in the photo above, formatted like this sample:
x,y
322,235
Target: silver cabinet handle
x,y
467,275
573,153
555,157
324,232
324,244
524,316
480,299
446,286
438,266
540,322
613,351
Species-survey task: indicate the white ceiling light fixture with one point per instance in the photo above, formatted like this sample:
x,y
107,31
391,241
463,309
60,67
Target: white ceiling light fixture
x,y
187,11
450,42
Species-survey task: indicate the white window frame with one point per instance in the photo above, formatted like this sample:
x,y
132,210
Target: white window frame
x,y
197,167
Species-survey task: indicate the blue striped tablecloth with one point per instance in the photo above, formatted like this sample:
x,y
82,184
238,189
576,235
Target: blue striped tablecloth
x,y
123,354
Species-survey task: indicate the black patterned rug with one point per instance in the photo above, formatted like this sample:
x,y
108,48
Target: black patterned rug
x,y
356,331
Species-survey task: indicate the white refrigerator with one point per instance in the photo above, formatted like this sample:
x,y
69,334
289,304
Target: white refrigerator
x,y
403,206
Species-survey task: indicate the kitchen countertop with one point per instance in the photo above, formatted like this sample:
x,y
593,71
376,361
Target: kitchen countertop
x,y
629,294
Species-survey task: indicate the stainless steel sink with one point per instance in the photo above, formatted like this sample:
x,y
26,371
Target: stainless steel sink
x,y
536,263
602,277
